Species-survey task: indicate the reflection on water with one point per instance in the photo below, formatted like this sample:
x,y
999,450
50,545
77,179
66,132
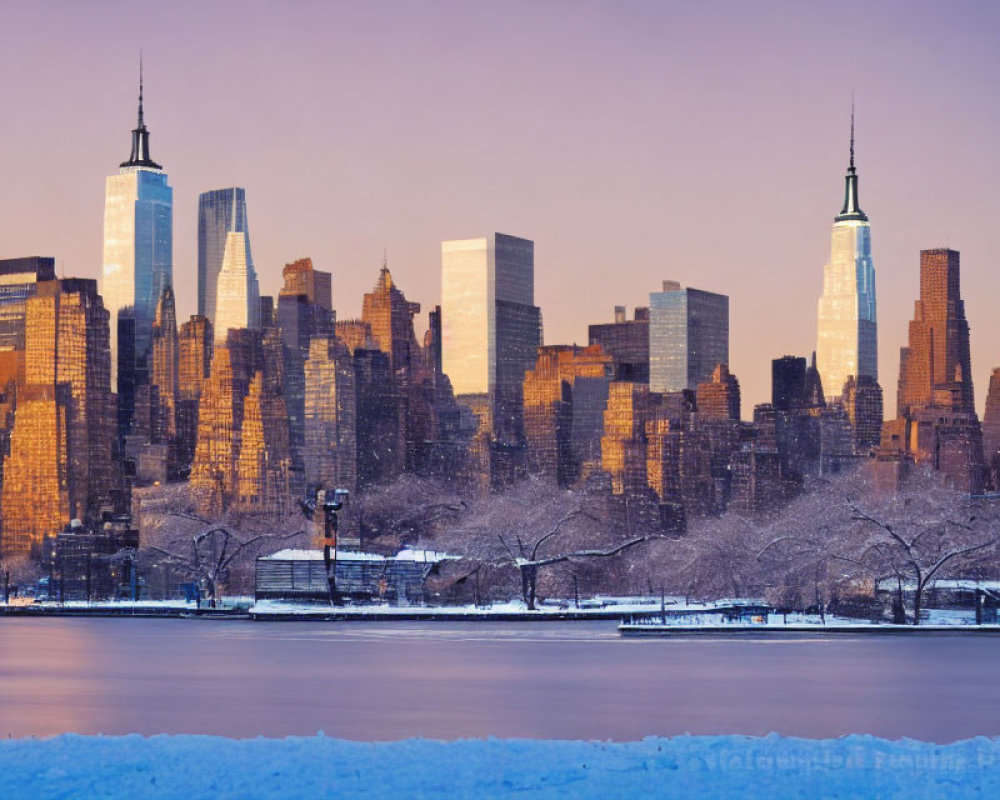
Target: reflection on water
x,y
574,680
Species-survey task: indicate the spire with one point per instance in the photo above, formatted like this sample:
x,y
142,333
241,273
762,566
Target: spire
x,y
140,136
142,125
851,209
852,114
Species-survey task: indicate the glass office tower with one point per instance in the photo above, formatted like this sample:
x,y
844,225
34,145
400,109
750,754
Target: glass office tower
x,y
490,327
847,336
220,212
138,243
688,337
237,298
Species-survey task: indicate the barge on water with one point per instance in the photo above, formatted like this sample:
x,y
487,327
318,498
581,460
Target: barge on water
x,y
751,619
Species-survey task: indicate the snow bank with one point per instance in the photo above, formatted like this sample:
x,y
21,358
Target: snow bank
x,y
682,767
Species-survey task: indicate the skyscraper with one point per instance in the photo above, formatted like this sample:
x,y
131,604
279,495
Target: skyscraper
x,y
220,212
165,359
562,433
304,311
194,360
788,382
237,296
491,328
847,338
937,422
688,337
390,316
19,279
934,367
627,341
60,464
138,244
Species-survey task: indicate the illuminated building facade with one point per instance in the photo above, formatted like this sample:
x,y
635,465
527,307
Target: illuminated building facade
x,y
847,338
61,461
490,327
331,424
220,212
237,297
138,246
560,426
18,281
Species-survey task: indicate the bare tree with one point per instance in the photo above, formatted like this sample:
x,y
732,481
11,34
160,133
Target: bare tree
x,y
922,533
850,530
404,511
533,526
16,572
208,549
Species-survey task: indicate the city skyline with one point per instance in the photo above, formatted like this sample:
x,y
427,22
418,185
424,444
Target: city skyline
x,y
636,147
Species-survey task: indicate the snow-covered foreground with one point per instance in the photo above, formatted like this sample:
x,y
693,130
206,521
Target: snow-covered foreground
x,y
73,766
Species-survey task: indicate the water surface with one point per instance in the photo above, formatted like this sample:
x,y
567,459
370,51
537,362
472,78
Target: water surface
x,y
565,680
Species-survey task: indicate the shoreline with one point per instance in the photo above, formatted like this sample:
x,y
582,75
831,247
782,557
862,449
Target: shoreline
x,y
622,614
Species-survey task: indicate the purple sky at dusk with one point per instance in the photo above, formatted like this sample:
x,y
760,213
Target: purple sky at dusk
x,y
632,141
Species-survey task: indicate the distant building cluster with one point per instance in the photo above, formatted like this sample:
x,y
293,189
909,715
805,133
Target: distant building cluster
x,y
257,400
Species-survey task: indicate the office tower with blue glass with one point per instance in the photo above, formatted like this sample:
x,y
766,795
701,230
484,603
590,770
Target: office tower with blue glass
x,y
138,246
220,213
688,337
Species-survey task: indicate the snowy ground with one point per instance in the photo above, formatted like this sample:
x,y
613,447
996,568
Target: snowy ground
x,y
596,607
73,766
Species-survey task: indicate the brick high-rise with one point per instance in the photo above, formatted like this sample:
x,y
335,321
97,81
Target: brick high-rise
x,y
937,422
935,367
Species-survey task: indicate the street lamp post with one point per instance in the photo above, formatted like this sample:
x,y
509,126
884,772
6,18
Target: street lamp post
x,y
332,502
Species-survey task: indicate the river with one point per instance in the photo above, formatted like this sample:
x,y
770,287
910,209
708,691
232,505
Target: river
x,y
563,680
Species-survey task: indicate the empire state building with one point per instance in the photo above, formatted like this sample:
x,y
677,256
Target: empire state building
x,y
847,340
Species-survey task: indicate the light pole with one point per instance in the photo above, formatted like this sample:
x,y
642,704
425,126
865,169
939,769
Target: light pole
x,y
331,502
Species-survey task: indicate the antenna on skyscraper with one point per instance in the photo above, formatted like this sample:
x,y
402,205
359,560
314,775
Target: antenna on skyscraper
x,y
140,89
852,129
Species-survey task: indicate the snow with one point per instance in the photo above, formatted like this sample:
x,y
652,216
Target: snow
x,y
263,609
891,585
405,554
317,555
681,767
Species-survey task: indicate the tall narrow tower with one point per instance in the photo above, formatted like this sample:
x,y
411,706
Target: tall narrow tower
x,y
138,247
847,341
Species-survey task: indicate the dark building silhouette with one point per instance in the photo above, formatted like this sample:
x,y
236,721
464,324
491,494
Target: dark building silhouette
x,y
788,382
627,342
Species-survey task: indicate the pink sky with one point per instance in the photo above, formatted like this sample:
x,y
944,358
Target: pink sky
x,y
632,141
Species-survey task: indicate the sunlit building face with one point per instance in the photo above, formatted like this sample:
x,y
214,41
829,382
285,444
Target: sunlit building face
x,y
847,336
138,242
481,280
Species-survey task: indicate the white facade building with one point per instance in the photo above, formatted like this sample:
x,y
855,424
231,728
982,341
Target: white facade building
x,y
847,340
237,296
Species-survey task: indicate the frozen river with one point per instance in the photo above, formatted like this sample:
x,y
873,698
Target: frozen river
x,y
568,680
